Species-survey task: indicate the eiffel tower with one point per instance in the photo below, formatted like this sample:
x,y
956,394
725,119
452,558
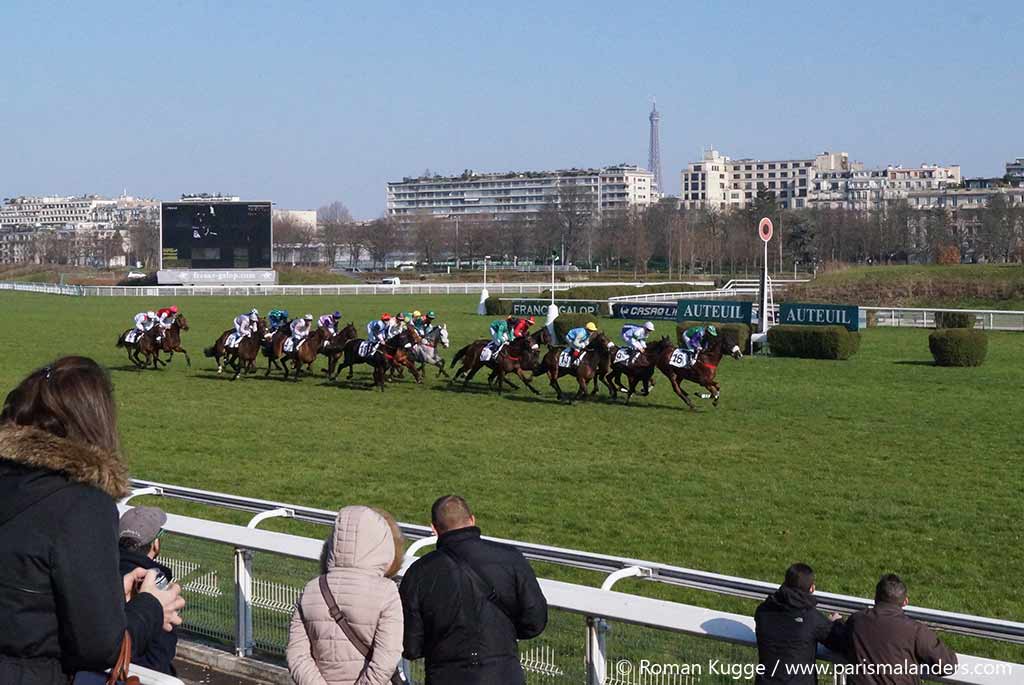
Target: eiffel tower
x,y
654,149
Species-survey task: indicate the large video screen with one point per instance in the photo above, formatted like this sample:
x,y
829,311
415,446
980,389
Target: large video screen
x,y
216,235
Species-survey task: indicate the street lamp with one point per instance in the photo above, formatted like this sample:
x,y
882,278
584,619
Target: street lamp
x,y
486,257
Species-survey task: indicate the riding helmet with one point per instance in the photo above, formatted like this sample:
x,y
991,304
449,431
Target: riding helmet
x,y
308,317
649,325
336,315
591,326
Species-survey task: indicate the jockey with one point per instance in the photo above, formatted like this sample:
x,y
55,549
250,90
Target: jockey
x,y
243,327
500,333
330,322
377,330
300,329
277,318
254,315
578,338
635,336
424,323
143,323
520,327
397,326
166,316
696,339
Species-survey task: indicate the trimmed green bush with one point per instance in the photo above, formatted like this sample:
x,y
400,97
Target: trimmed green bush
x,y
813,342
566,322
497,307
958,346
954,320
737,332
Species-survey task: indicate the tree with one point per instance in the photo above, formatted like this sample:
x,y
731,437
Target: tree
x,y
144,237
428,237
332,235
335,212
565,219
381,237
802,241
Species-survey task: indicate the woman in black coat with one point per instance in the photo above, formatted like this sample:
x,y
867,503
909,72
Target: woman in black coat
x,y
62,597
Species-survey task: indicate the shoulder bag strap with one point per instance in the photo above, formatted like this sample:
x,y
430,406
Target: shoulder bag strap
x,y
339,618
490,593
119,673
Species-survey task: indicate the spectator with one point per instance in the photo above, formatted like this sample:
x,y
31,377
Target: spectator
x,y
363,553
139,544
467,602
885,639
789,629
63,605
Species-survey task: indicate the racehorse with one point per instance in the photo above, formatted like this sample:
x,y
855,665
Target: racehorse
x,y
425,351
144,344
639,369
170,340
702,372
242,356
273,348
335,347
394,352
515,357
585,368
305,353
219,350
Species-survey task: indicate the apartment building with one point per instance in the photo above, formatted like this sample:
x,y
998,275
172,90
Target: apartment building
x,y
523,194
86,212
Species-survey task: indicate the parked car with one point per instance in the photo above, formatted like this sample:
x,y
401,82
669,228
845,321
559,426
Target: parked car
x,y
132,275
391,280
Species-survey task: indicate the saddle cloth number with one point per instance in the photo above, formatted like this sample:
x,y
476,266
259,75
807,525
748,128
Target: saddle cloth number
x,y
622,356
680,358
365,348
486,353
132,334
565,359
232,340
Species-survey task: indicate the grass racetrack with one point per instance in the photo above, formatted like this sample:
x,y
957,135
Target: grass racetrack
x,y
881,463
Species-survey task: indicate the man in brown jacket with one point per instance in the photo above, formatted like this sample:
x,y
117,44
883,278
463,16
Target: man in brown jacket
x,y
886,647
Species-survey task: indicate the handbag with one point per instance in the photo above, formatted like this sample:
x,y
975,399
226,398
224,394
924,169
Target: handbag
x,y
118,674
332,606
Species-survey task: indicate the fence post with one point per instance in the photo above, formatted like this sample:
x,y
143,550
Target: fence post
x,y
991,321
243,602
596,655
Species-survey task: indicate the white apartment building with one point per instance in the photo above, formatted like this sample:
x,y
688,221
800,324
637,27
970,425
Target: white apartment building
x,y
1015,169
829,180
519,193
718,182
305,218
75,213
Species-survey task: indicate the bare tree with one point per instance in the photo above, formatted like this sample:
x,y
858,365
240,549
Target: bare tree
x,y
381,239
565,219
144,237
335,212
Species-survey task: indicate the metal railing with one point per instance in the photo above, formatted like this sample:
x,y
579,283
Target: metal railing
x,y
667,623
963,624
734,288
924,317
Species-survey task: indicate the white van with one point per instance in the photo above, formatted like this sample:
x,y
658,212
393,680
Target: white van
x,y
391,280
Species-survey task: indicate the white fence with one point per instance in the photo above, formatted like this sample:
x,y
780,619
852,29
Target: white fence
x,y
662,621
924,317
734,288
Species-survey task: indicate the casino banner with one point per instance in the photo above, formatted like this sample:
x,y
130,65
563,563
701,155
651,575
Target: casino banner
x,y
644,310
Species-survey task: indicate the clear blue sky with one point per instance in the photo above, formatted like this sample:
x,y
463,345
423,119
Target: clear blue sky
x,y
303,103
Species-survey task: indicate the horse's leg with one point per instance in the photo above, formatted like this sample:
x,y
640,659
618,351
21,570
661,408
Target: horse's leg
x,y
553,381
679,391
633,380
583,383
472,372
440,368
378,376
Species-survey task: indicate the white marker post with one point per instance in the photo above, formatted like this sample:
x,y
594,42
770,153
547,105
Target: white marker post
x,y
765,230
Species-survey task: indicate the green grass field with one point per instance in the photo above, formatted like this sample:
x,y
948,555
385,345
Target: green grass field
x,y
882,463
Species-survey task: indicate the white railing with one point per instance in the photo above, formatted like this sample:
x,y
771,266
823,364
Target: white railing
x,y
597,605
964,624
305,290
734,288
924,317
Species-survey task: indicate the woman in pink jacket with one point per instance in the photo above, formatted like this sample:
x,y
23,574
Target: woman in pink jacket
x,y
362,555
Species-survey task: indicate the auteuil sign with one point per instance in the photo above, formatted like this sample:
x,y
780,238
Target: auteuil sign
x,y
820,315
714,310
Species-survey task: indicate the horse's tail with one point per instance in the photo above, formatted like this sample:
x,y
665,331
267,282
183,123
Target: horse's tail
x,y
120,341
460,354
210,351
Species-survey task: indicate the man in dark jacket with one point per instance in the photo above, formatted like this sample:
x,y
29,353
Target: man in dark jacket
x,y
789,628
139,544
62,599
467,602
884,644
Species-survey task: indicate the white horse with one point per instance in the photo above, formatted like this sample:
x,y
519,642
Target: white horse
x,y
425,351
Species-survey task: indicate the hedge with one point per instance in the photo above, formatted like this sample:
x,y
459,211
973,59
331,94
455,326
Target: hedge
x,y
954,320
495,307
958,346
736,332
813,342
566,322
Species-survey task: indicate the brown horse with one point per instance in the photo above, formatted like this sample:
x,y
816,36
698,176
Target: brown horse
x,y
382,358
639,369
170,339
702,372
517,356
305,353
586,368
218,350
273,349
243,356
335,347
144,344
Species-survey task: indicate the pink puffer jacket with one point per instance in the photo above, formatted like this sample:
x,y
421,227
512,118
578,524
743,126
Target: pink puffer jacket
x,y
361,550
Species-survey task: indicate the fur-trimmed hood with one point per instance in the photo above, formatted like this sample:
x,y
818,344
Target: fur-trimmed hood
x,y
85,464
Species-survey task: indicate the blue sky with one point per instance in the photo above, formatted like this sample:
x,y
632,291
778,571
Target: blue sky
x,y
303,103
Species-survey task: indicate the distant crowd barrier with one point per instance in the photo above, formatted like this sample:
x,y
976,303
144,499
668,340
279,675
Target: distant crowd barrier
x,y
241,584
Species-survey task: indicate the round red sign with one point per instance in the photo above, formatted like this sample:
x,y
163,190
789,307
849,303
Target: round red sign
x,y
764,229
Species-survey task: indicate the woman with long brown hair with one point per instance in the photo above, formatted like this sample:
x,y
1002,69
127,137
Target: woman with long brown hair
x,y
62,598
